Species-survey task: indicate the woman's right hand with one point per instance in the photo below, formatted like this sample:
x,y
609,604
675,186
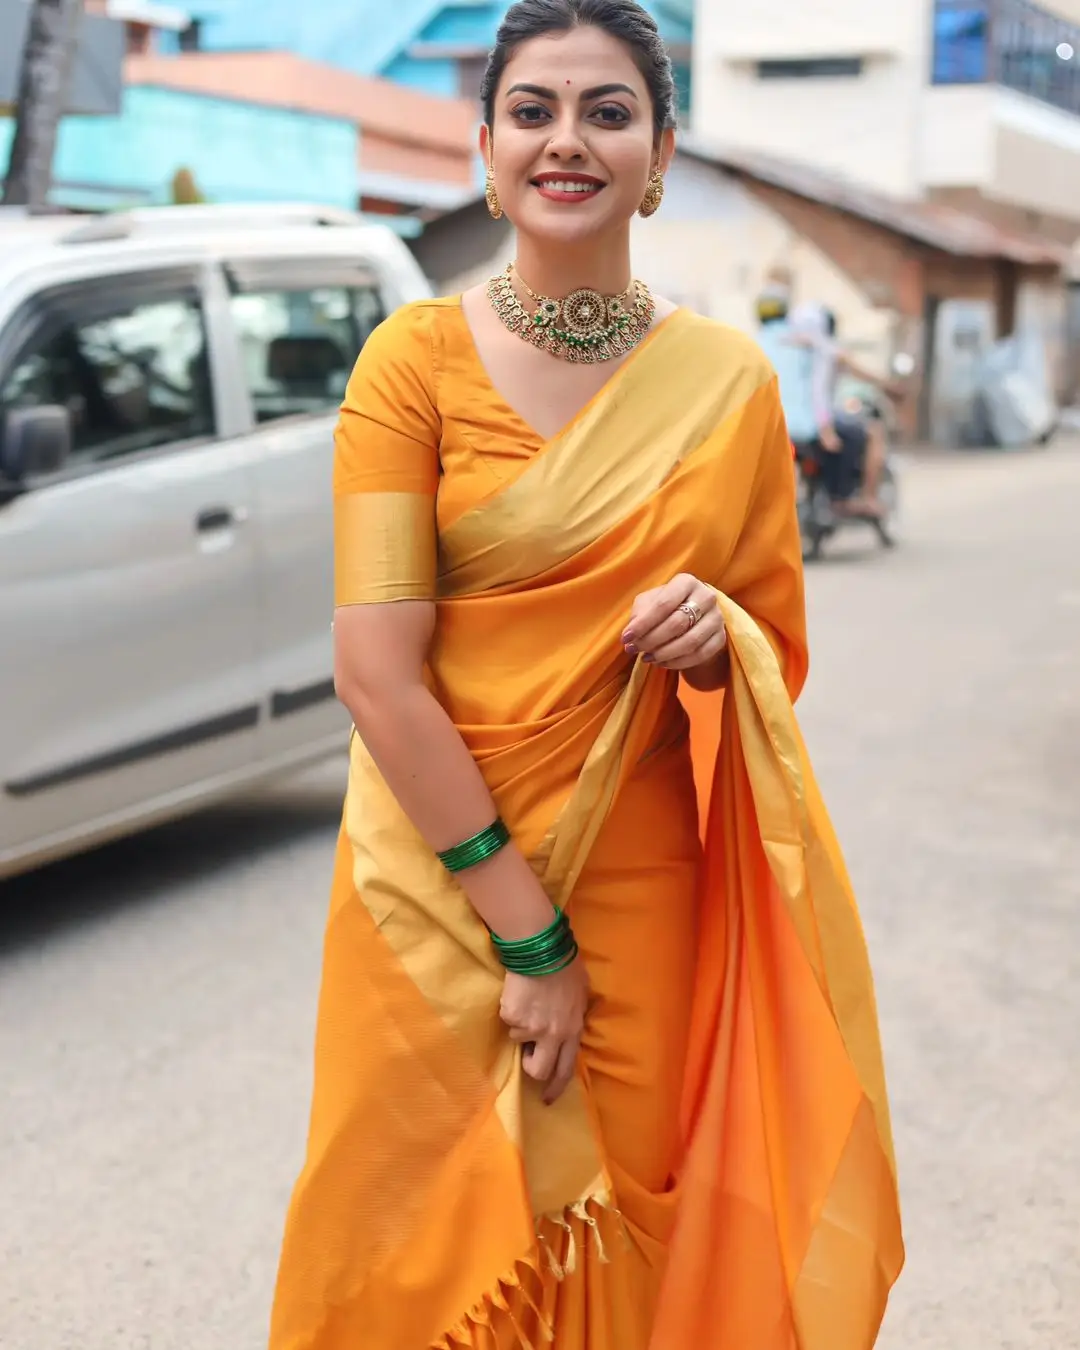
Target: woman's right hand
x,y
546,1014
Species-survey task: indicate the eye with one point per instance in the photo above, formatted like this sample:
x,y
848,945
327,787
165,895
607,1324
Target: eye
x,y
612,114
529,112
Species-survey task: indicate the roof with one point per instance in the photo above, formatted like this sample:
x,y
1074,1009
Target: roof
x,y
31,245
425,194
959,233
283,80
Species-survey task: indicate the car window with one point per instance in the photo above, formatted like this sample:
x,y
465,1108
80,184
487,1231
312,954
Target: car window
x,y
299,345
368,310
131,381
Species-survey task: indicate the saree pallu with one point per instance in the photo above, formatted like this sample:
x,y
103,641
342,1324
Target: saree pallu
x,y
720,1175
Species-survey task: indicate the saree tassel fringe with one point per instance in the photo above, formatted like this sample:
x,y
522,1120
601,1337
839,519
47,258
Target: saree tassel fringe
x,y
554,1265
511,1316
581,1212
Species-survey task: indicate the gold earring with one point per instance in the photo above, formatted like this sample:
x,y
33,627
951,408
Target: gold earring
x,y
654,195
492,197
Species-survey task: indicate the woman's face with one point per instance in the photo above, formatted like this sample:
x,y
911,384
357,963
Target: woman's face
x,y
572,141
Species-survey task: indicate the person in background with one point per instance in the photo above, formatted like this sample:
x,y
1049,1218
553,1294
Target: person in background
x,y
801,368
862,457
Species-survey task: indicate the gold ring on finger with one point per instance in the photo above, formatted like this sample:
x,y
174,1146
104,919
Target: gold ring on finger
x,y
692,612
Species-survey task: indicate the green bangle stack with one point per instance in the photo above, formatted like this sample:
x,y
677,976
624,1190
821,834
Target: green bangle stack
x,y
545,953
477,849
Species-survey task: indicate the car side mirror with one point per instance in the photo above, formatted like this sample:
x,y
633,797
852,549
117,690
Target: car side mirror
x,y
34,441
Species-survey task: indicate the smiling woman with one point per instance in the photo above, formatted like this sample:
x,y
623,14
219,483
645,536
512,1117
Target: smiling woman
x,y
597,1062
576,113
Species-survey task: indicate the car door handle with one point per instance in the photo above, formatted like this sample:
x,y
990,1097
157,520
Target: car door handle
x,y
215,518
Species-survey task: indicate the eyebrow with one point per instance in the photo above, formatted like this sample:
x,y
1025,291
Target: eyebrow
x,y
597,91
600,90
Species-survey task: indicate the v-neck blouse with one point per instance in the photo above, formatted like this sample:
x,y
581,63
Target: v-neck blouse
x,y
421,420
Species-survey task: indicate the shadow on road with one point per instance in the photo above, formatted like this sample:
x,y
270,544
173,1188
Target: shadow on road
x,y
852,546
156,865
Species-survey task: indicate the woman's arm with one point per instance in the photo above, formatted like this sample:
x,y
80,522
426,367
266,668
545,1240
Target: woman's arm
x,y
379,656
386,478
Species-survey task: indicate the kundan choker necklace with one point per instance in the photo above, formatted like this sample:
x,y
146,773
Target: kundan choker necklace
x,y
585,326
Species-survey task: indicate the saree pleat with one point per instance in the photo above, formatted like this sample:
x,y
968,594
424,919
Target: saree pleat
x,y
720,1174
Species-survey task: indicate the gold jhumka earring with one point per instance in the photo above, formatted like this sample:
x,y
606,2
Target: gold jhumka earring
x,y
492,197
654,195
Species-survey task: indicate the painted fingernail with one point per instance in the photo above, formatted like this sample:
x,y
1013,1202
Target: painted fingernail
x,y
649,657
631,650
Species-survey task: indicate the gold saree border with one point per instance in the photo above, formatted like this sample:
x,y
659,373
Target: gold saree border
x,y
565,848
609,461
435,935
384,547
803,863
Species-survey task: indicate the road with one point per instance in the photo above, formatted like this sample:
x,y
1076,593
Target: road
x,y
157,998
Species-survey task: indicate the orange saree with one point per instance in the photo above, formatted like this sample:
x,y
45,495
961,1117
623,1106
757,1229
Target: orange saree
x,y
720,1176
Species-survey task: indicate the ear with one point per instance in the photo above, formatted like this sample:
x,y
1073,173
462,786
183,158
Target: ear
x,y
485,144
665,150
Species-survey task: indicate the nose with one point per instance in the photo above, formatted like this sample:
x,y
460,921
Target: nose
x,y
565,143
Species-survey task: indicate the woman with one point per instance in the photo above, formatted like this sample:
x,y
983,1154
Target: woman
x,y
581,1078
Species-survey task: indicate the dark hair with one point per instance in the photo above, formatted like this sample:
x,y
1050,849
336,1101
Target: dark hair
x,y
622,19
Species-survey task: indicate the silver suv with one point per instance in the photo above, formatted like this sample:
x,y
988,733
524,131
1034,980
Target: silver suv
x,y
169,381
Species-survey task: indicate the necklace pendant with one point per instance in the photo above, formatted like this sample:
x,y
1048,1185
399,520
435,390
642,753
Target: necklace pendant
x,y
585,327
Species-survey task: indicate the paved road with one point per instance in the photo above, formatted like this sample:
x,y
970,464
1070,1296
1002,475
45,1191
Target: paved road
x,y
157,999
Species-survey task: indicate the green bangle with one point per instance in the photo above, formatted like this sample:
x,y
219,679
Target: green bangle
x,y
476,850
535,969
539,941
545,953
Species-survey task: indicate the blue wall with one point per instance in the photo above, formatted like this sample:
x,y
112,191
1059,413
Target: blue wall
x,y
237,152
474,24
358,35
430,77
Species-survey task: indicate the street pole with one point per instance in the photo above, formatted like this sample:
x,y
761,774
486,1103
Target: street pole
x,y
44,79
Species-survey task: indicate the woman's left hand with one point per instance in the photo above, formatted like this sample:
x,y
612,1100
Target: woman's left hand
x,y
678,626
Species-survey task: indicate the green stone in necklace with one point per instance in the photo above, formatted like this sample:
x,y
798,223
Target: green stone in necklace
x,y
586,326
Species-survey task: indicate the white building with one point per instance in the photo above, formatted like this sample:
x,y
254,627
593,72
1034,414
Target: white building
x,y
966,101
